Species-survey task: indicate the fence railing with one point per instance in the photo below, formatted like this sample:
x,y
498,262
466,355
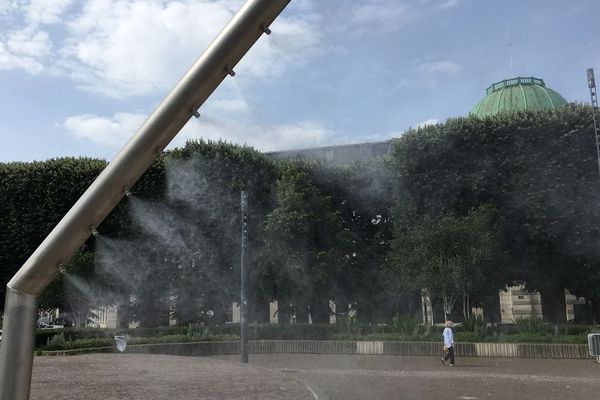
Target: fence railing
x,y
506,350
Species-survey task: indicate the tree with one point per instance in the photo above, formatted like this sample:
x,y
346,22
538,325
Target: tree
x,y
361,193
537,168
33,198
452,257
305,239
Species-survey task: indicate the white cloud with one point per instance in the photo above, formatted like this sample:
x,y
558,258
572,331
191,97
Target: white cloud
x,y
380,16
429,73
298,135
123,48
260,136
294,41
8,60
46,11
34,44
110,131
115,131
229,106
8,6
431,121
441,4
126,48
29,46
449,4
439,67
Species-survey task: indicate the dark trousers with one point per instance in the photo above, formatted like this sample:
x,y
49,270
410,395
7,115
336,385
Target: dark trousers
x,y
450,355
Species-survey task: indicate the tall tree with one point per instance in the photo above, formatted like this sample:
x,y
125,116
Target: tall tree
x,y
537,168
453,258
305,236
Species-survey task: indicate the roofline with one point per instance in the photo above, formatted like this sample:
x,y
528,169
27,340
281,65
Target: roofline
x,y
515,82
329,147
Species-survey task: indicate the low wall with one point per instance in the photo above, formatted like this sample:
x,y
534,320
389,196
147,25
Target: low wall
x,y
516,350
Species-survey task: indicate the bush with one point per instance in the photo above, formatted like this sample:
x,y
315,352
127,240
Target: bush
x,y
405,325
197,331
401,329
476,327
532,326
56,342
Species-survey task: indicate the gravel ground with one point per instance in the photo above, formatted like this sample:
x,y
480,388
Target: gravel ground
x,y
305,376
347,377
147,377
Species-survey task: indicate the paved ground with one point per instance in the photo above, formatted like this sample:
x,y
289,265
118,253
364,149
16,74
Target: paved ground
x,y
150,377
348,377
328,377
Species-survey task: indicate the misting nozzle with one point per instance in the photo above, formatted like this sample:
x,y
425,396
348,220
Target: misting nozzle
x,y
265,29
94,231
229,71
126,191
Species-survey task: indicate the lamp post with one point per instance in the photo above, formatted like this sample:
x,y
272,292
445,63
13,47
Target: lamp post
x,y
594,97
243,279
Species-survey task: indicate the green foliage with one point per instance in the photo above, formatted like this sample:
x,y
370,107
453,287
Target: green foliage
x,y
306,242
70,339
451,256
532,326
539,171
476,326
56,342
361,194
460,209
197,330
404,325
33,198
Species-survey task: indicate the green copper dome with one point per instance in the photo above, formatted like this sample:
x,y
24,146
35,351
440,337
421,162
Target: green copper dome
x,y
517,94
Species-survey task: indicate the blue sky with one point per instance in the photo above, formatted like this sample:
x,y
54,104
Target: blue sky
x,y
77,78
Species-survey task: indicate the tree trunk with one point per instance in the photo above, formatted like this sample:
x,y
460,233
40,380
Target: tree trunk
x,y
319,312
301,313
553,305
283,312
259,310
445,299
491,307
595,310
341,311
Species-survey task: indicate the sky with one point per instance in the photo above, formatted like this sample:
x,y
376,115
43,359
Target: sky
x,y
77,78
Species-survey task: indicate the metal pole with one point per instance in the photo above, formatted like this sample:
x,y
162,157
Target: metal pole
x,y
243,282
213,66
594,98
18,341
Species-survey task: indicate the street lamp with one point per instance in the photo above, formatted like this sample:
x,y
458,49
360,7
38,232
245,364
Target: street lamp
x,y
592,86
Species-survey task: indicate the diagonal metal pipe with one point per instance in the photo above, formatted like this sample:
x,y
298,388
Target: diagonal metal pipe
x,y
207,73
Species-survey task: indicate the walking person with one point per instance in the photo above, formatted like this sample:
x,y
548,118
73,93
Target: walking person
x,y
448,344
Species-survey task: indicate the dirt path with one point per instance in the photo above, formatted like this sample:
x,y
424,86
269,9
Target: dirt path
x,y
347,377
149,377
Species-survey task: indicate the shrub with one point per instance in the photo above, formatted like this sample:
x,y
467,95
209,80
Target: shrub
x,y
197,331
532,325
56,342
404,325
476,326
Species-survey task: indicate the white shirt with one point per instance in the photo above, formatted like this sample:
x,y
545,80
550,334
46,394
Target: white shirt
x,y
448,337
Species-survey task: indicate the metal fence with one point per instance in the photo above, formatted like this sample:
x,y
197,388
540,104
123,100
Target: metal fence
x,y
594,345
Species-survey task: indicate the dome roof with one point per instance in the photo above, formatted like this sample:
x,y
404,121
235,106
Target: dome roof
x,y
517,94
